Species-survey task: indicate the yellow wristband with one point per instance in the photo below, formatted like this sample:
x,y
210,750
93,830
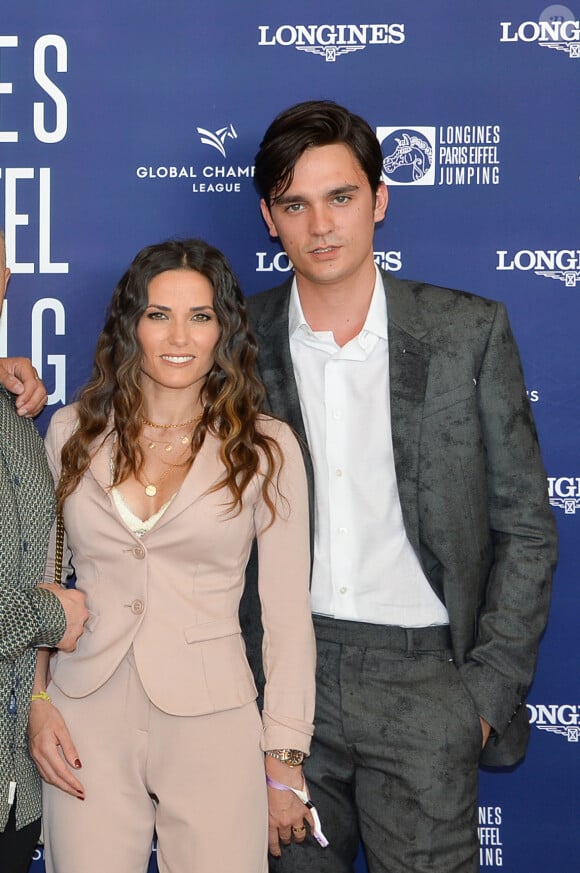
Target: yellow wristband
x,y
42,695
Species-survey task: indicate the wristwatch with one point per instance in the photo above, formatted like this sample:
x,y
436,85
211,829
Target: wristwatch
x,y
292,757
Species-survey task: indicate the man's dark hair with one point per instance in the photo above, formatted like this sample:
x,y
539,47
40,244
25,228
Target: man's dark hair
x,y
306,125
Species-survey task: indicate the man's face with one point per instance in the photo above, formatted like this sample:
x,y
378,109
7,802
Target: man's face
x,y
326,219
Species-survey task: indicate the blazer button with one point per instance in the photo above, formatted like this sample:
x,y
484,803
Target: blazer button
x,y
139,552
137,607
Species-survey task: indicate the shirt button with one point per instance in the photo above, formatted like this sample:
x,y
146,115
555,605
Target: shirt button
x,y
343,530
336,414
137,607
139,552
343,590
338,472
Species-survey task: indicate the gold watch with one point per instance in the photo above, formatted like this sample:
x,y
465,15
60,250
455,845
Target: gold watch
x,y
292,757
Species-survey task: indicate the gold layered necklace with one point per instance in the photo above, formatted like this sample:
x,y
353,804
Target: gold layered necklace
x,y
167,447
170,426
151,488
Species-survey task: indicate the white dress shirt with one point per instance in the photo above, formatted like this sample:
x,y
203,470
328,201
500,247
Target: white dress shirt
x,y
364,567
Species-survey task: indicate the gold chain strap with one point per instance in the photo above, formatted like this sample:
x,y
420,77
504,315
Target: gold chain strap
x,y
59,549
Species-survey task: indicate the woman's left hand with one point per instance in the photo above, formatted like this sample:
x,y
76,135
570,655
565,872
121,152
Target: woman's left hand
x,y
48,736
287,815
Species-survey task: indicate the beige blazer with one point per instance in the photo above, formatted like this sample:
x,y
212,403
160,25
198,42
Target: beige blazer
x,y
173,594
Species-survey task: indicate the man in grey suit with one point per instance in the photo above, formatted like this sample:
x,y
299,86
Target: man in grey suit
x,y
433,540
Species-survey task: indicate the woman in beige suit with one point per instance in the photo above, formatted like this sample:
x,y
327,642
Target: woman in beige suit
x,y
166,474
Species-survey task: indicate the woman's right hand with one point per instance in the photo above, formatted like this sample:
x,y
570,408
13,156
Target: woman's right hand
x,y
52,748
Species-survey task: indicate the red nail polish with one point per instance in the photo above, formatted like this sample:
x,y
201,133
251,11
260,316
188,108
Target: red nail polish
x,y
78,764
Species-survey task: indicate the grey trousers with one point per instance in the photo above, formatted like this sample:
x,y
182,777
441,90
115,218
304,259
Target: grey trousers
x,y
395,754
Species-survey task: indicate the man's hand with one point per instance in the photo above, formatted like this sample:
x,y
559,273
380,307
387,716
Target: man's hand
x,y
73,603
48,736
19,377
485,731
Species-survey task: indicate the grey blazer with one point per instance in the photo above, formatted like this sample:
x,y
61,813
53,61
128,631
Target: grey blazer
x,y
29,616
471,482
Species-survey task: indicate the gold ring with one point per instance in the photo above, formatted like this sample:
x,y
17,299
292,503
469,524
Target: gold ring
x,y
299,830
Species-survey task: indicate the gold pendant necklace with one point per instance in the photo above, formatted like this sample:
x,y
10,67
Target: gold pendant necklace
x,y
151,488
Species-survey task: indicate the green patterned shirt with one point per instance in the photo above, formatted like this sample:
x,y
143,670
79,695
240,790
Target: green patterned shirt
x,y
29,616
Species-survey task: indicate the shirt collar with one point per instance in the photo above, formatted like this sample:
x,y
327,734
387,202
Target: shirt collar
x,y
375,322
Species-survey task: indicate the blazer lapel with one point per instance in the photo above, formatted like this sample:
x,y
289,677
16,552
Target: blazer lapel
x,y
205,472
269,318
270,324
100,466
408,371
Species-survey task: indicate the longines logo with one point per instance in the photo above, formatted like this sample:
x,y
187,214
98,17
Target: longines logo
x,y
557,28
564,493
205,178
281,263
563,264
330,41
454,154
561,719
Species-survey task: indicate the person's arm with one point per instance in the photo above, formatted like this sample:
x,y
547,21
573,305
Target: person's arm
x,y
500,667
48,736
20,378
288,645
28,617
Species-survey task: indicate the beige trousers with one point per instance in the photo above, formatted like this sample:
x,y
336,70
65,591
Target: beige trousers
x,y
198,781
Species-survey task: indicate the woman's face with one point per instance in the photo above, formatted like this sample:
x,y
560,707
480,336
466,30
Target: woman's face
x,y
178,331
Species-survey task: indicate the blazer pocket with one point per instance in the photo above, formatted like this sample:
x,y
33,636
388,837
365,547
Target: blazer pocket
x,y
462,392
212,630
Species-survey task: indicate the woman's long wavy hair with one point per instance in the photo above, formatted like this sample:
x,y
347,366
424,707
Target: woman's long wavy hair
x,y
231,397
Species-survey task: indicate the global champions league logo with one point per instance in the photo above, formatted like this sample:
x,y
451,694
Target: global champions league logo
x,y
217,140
207,178
557,28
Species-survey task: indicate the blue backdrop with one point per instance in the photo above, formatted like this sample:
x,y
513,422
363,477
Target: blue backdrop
x,y
122,124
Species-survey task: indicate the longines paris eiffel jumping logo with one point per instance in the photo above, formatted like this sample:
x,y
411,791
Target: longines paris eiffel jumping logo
x,y
449,155
409,155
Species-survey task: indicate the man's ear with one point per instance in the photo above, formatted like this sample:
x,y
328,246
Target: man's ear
x,y
267,216
381,201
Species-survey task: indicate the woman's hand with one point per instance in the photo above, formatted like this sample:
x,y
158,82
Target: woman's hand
x,y
52,748
287,815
